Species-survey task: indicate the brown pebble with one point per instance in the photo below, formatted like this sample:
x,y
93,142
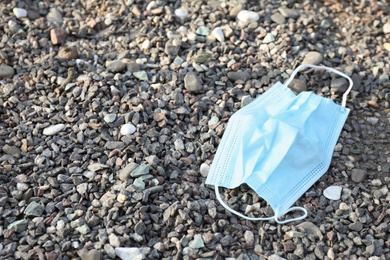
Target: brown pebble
x,y
135,10
68,53
289,246
24,147
373,103
57,35
158,117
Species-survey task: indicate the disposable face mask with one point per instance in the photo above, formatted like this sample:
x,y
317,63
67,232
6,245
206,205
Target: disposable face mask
x,y
279,145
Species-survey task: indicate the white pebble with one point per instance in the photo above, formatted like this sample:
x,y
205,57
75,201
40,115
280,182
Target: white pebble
x,y
181,13
246,16
218,34
53,129
268,38
20,12
129,253
127,129
204,169
333,192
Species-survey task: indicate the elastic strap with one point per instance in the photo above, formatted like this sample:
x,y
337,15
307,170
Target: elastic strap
x,y
344,101
265,218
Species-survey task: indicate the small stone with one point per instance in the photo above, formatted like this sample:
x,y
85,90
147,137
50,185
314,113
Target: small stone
x,y
238,75
6,71
213,121
192,82
54,16
268,38
181,13
125,172
313,57
57,35
310,228
386,46
298,86
114,240
275,257
289,246
34,209
129,253
20,12
246,16
68,53
140,170
383,78
278,18
246,100
122,198
197,242
54,129
357,226
141,75
289,13
333,192
11,150
109,118
249,237
204,169
386,28
235,10
372,120
358,175
128,129
84,229
218,34
90,255
203,31
171,48
116,66
339,85
179,145
18,226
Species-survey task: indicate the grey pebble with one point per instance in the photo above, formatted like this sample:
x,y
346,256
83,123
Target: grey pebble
x,y
339,85
238,75
125,172
192,82
278,18
313,57
288,12
93,254
34,210
171,49
116,66
197,242
298,86
358,175
6,71
141,75
19,226
143,169
55,17
11,150
111,145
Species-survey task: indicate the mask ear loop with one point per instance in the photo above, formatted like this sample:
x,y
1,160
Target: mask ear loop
x,y
344,100
264,218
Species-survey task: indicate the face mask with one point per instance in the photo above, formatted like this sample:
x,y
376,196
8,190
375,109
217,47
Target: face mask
x,y
280,145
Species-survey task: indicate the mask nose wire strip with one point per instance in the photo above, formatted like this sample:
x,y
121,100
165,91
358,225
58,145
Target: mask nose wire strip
x,y
344,100
265,218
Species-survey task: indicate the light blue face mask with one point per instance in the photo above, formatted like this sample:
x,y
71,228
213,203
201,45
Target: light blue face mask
x,y
280,145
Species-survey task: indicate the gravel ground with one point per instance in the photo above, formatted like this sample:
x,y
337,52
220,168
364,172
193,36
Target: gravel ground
x,y
111,113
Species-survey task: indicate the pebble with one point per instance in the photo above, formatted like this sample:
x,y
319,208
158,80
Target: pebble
x,y
116,66
268,38
289,13
6,71
54,129
278,18
129,253
246,100
109,118
218,34
93,254
197,242
19,226
114,240
238,75
68,53
310,228
140,170
333,192
11,150
235,10
84,229
246,16
249,237
54,16
313,57
204,169
181,13
358,175
171,48
298,86
34,209
386,46
386,28
192,82
127,129
339,85
58,35
20,12
141,75
372,120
